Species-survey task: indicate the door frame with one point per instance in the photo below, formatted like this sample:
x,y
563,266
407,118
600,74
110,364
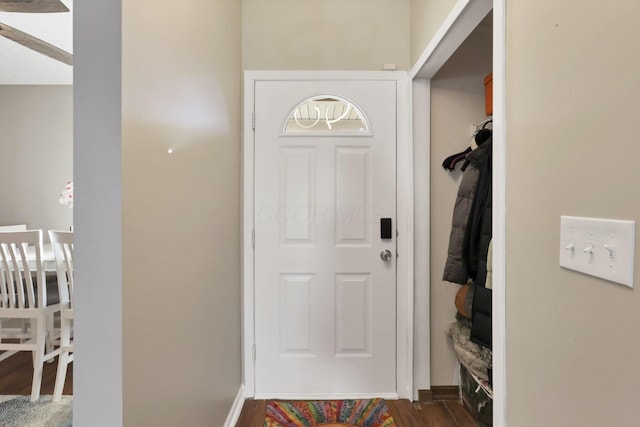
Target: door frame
x,y
461,21
404,183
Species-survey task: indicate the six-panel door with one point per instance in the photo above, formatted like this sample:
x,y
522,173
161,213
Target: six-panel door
x,y
325,300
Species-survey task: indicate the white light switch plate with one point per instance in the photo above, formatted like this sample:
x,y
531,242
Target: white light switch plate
x,y
599,247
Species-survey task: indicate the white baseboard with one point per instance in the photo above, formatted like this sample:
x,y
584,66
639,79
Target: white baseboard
x,y
236,409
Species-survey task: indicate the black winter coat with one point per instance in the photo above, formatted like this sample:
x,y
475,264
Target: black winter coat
x,y
475,245
455,270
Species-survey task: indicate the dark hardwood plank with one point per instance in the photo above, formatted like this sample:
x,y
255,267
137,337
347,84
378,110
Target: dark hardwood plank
x,y
16,374
460,414
405,413
252,414
438,414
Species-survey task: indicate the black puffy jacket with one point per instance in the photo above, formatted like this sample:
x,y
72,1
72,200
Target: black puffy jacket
x,y
475,244
455,269
471,224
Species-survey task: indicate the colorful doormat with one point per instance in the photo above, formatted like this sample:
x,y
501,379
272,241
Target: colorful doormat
x,y
328,413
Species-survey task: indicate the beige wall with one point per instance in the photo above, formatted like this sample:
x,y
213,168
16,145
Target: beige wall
x,y
181,212
457,102
572,108
426,18
325,34
572,138
37,137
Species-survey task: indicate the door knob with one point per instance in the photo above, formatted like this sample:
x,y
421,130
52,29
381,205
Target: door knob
x,y
385,255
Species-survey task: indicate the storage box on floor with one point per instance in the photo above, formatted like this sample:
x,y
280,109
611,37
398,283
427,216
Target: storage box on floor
x,y
475,371
477,397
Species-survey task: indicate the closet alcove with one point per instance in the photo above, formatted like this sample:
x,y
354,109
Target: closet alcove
x,y
457,104
456,89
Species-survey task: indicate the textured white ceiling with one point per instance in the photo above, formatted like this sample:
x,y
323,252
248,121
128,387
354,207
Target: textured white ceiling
x,y
20,65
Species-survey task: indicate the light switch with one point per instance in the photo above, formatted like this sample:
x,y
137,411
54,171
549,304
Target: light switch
x,y
599,247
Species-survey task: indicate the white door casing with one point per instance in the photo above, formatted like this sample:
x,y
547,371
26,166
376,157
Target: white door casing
x,y
325,301
403,224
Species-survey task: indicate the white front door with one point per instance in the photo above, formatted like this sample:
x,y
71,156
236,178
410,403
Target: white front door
x,y
325,299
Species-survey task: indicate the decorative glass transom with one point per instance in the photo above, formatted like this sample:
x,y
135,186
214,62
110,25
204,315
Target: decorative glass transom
x,y
326,114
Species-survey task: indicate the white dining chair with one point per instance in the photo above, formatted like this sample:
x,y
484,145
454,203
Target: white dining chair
x,y
23,296
50,319
62,243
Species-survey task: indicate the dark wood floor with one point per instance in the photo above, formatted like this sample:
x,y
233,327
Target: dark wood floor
x,y
16,374
447,413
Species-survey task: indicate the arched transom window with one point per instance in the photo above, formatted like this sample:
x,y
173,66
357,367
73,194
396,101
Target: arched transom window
x,y
326,114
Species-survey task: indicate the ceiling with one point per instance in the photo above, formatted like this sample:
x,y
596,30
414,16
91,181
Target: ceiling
x,y
20,65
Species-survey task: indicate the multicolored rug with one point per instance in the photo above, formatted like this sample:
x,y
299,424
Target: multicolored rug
x,y
328,413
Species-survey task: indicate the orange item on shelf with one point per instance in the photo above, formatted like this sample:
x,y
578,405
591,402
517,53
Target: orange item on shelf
x,y
488,94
